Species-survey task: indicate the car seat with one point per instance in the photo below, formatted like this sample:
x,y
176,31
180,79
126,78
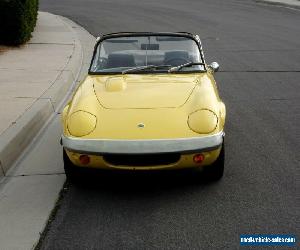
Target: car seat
x,y
120,60
176,58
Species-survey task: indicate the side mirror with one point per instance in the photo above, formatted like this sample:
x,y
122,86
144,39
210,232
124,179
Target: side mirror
x,y
214,66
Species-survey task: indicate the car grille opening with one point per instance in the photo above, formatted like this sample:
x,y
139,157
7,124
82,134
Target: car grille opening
x,y
141,160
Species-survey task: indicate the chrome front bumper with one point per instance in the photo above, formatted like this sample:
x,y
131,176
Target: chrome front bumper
x,y
108,146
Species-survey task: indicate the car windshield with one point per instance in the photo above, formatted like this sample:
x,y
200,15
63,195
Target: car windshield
x,y
133,54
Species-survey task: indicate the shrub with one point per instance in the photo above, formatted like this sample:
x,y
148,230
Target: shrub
x,y
17,20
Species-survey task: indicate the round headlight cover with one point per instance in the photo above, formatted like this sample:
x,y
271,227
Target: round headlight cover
x,y
81,123
203,121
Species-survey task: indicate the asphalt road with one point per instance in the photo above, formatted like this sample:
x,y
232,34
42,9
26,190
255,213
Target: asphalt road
x,y
258,48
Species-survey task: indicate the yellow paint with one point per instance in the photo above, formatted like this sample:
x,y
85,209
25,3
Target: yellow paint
x,y
143,91
162,102
185,161
115,84
203,121
86,120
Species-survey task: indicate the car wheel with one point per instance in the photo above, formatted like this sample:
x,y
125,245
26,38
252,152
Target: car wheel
x,y
72,171
215,171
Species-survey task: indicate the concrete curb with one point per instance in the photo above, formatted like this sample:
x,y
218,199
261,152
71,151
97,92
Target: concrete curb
x,y
289,4
32,183
18,136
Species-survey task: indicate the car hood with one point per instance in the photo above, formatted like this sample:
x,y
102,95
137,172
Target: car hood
x,y
144,91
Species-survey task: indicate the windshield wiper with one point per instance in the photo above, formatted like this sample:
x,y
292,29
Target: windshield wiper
x,y
189,64
139,68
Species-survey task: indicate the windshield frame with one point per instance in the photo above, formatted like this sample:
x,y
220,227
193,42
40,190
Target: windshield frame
x,y
140,34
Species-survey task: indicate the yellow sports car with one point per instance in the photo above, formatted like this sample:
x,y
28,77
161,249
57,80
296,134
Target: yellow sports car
x,y
149,102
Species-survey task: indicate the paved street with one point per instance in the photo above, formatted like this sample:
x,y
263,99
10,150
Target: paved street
x,y
258,48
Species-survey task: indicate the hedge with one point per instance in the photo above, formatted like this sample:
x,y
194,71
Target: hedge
x,y
17,20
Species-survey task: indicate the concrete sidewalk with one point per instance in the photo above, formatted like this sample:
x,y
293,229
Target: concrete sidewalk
x,y
35,79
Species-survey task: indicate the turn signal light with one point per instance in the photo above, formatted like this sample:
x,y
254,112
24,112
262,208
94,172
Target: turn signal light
x,y
84,159
198,158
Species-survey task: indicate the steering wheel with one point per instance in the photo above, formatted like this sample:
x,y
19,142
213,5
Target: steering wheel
x,y
176,61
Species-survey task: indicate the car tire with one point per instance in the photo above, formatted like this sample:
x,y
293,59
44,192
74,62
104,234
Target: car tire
x,y
215,171
71,171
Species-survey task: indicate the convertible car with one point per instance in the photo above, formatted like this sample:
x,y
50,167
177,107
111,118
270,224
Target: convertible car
x,y
149,102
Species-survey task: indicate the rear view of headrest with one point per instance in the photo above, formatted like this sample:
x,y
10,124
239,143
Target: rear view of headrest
x,y
120,60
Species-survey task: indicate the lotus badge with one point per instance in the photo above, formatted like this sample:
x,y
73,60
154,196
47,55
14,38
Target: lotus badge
x,y
141,125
